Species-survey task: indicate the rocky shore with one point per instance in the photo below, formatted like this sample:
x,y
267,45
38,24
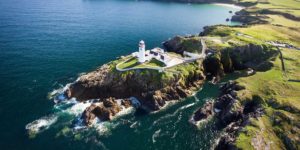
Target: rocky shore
x,y
151,87
104,110
230,114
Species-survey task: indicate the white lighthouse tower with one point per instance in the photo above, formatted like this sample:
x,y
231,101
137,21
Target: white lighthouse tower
x,y
141,54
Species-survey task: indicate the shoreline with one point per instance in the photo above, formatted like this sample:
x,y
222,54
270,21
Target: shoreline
x,y
230,125
229,5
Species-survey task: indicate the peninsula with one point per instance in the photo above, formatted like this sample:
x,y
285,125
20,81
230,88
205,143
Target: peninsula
x,y
260,109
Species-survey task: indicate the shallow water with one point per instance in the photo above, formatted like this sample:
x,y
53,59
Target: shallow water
x,y
45,44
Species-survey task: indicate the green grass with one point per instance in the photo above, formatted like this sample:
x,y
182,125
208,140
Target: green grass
x,y
155,63
286,6
279,127
192,44
260,34
280,100
133,63
272,33
280,20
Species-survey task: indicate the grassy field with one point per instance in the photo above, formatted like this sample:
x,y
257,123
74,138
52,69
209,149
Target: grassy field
x,y
133,63
282,21
280,98
277,91
284,6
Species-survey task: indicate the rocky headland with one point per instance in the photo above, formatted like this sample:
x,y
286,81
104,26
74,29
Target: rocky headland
x,y
244,108
151,87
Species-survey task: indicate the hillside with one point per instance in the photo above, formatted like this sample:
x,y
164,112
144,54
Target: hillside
x,y
274,87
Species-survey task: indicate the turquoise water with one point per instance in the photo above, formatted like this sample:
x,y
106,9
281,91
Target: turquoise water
x,y
45,44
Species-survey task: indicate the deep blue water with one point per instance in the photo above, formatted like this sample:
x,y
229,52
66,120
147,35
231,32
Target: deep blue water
x,y
45,44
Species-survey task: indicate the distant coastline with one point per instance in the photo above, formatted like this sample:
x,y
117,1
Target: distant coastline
x,y
229,5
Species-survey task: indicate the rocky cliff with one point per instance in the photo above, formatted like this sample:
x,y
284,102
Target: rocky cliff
x,y
151,87
228,58
231,116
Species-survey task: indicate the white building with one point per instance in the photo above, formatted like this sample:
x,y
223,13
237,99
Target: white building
x,y
142,53
156,53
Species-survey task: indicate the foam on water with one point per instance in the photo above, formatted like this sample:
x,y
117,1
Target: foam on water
x,y
124,111
174,135
155,135
196,98
178,119
103,128
172,114
165,107
135,124
52,94
187,106
78,108
61,89
41,124
163,118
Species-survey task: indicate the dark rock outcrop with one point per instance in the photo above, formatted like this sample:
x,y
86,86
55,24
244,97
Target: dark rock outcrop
x,y
179,44
88,115
249,19
204,112
222,106
230,115
126,103
104,110
213,66
239,58
174,45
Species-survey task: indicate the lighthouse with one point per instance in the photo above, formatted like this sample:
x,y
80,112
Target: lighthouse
x,y
141,54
